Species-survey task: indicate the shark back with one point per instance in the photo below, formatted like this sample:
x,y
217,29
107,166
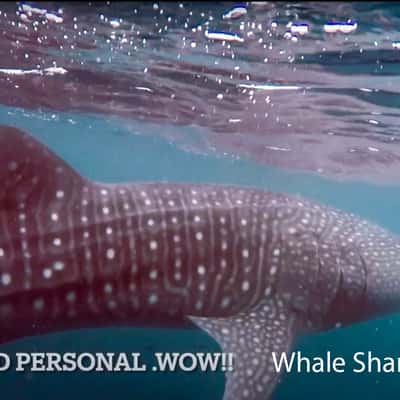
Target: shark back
x,y
27,168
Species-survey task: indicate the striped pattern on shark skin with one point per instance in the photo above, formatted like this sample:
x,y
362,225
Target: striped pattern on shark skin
x,y
250,267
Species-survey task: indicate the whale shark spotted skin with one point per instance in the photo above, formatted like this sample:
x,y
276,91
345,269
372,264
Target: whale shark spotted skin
x,y
252,268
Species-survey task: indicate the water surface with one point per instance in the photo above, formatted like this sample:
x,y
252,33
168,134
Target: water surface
x,y
136,92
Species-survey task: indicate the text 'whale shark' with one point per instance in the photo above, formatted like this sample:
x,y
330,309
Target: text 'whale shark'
x,y
250,267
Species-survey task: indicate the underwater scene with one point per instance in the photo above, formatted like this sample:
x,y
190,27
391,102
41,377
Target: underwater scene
x,y
200,178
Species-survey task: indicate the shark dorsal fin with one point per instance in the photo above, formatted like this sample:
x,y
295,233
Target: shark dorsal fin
x,y
28,167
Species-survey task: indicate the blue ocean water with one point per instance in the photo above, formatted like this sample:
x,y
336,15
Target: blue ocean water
x,y
104,150
350,95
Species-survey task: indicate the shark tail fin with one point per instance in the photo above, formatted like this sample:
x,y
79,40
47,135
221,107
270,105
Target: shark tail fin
x,y
27,167
252,337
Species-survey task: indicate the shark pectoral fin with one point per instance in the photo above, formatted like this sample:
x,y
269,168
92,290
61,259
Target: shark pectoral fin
x,y
252,337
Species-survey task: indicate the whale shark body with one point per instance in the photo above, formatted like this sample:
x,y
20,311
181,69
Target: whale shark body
x,y
250,267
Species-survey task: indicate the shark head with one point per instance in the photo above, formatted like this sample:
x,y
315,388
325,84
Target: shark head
x,y
250,267
353,267
370,283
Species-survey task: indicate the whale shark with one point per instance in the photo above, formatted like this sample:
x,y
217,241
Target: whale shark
x,y
252,268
